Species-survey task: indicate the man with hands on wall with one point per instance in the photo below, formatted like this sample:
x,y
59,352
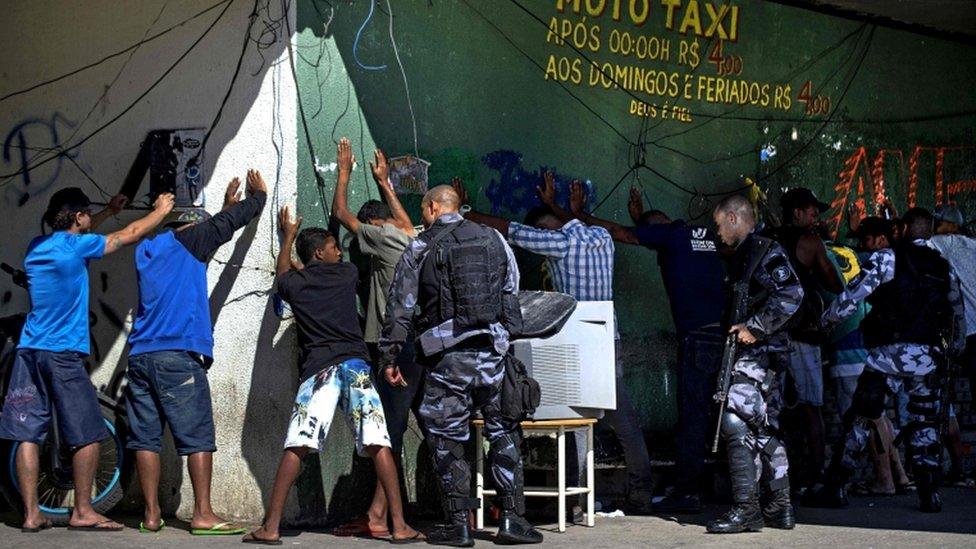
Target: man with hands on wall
x,y
49,370
580,261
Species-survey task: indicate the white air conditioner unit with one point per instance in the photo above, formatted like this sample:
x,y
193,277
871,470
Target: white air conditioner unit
x,y
576,368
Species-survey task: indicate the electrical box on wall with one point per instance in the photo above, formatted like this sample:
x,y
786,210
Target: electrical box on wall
x,y
176,165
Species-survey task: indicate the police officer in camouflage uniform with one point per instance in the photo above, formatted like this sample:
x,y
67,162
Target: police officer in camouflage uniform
x,y
464,279
916,303
753,404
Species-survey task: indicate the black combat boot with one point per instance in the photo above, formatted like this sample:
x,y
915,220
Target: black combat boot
x,y
515,530
778,512
456,533
927,484
745,515
455,477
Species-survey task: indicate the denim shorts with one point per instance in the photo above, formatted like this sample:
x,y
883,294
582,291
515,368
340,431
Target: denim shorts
x,y
42,382
806,371
169,387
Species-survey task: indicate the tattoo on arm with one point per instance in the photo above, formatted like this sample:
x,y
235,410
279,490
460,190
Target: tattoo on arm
x,y
112,243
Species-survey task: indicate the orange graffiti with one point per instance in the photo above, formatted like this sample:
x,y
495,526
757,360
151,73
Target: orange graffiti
x,y
870,183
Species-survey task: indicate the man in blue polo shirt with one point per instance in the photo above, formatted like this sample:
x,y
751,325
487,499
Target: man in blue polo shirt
x,y
694,281
171,347
49,370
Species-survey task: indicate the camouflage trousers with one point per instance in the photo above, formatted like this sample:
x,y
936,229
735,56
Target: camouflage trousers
x,y
899,369
459,383
756,398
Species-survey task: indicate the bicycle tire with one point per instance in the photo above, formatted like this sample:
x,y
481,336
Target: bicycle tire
x,y
106,497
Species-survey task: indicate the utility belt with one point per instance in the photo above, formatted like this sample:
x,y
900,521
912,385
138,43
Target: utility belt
x,y
742,378
479,342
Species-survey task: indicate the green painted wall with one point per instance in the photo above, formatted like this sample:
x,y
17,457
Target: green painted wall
x,y
478,79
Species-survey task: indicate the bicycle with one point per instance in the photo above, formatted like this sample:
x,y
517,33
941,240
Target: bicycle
x,y
55,487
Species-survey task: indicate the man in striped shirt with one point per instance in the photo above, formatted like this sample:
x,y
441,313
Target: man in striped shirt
x,y
579,258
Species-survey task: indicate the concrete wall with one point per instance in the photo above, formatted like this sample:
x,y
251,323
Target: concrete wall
x,y
254,374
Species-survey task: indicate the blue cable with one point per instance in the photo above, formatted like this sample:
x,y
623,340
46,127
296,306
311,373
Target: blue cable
x,y
355,42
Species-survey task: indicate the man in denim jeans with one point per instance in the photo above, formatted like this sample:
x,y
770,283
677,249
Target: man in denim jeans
x,y
171,345
49,371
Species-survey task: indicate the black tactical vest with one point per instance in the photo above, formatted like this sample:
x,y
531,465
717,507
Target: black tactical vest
x,y
914,306
462,277
747,257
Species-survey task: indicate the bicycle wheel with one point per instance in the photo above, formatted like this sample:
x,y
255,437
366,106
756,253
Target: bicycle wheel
x,y
55,487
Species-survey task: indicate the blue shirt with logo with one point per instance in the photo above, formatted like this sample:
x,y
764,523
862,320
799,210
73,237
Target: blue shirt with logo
x,y
57,276
692,271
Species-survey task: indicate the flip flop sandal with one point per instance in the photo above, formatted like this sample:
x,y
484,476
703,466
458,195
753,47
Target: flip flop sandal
x,y
416,538
97,527
44,526
359,528
251,538
219,529
143,529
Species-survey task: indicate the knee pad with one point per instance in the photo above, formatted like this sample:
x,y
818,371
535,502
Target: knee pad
x,y
452,468
869,396
505,450
734,429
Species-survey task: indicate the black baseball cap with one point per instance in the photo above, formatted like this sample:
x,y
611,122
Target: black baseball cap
x,y
69,199
801,197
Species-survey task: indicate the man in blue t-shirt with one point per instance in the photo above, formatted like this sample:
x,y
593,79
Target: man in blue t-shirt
x,y
49,371
694,281
171,346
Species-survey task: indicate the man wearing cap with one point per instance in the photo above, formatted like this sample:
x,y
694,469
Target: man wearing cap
x,y
808,255
171,347
49,371
949,220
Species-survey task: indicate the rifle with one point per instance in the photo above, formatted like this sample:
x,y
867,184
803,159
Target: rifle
x,y
740,303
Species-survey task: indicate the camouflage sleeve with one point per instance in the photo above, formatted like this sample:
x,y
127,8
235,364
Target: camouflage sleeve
x,y
784,293
959,328
877,270
401,301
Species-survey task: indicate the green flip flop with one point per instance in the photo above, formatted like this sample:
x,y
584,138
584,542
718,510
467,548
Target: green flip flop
x,y
219,529
144,530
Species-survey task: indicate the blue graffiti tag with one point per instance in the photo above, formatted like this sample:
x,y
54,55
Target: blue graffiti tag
x,y
514,188
19,148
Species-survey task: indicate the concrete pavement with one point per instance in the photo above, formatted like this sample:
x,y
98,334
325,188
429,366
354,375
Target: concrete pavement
x,y
868,522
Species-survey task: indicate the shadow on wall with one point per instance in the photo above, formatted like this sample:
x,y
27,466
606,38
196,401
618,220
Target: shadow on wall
x,y
273,386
